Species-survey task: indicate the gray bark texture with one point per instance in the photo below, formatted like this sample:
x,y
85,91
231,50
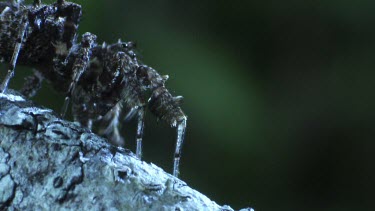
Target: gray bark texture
x,y
47,163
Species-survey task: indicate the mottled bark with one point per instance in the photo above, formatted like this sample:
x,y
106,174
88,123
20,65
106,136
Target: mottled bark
x,y
47,163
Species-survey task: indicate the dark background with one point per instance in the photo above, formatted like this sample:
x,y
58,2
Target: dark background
x,y
279,95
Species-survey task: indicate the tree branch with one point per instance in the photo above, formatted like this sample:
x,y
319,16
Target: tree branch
x,y
47,163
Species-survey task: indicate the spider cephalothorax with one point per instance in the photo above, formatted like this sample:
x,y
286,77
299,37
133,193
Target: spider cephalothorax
x,y
98,80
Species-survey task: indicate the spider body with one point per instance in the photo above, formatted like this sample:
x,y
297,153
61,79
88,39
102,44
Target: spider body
x,y
98,80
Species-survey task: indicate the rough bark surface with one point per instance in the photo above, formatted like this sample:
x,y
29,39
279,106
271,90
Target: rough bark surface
x,y
47,163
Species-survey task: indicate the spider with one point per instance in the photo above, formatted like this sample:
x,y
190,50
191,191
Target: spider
x,y
97,79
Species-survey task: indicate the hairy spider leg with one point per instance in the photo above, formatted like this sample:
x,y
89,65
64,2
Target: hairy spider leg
x,y
140,127
5,10
80,65
112,130
140,111
72,14
166,107
129,116
181,127
12,65
89,124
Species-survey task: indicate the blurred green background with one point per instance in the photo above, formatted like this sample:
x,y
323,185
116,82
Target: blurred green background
x,y
279,95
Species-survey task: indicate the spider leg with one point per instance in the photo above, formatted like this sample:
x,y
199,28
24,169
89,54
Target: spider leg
x,y
12,65
79,66
140,126
133,111
181,126
32,85
112,130
166,107
72,12
89,124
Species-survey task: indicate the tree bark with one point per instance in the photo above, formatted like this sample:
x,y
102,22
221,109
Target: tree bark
x,y
47,163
